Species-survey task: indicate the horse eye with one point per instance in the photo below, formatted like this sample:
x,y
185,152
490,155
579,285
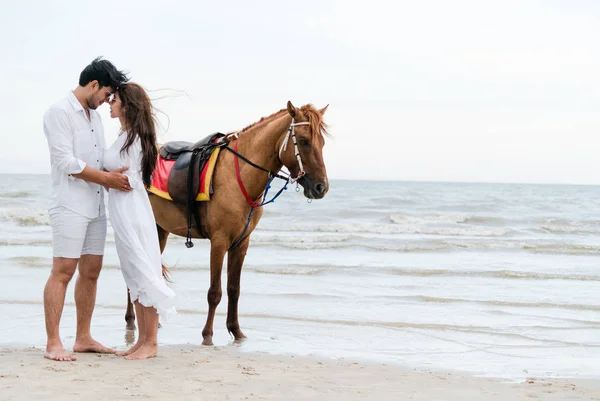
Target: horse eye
x,y
304,142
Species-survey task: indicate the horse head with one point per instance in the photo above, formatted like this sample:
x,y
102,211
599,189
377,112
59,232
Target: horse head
x,y
303,157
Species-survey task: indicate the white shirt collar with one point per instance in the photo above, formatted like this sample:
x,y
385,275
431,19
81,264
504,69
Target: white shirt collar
x,y
74,101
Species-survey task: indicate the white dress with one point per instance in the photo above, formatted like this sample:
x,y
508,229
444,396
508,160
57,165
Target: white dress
x,y
136,237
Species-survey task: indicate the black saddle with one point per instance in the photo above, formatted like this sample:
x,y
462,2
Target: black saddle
x,y
184,179
172,150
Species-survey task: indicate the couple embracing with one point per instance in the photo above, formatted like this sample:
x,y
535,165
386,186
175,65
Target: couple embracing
x,y
81,168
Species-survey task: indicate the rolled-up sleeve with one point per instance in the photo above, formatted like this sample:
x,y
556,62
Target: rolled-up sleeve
x,y
60,141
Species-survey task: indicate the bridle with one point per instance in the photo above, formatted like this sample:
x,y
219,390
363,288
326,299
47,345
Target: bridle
x,y
271,174
292,133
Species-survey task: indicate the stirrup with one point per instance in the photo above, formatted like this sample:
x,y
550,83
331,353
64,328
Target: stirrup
x,y
188,240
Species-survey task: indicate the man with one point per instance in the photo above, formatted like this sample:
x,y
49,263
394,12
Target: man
x,y
75,137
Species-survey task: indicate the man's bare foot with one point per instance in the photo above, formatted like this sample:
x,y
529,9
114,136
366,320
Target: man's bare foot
x,y
58,353
92,345
131,350
144,352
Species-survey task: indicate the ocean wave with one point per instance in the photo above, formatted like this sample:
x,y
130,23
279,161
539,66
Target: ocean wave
x,y
427,219
425,245
370,228
17,195
424,298
546,225
502,274
435,246
269,239
294,270
563,249
562,221
36,262
566,226
37,241
445,218
26,216
26,242
288,271
569,229
32,261
530,246
308,246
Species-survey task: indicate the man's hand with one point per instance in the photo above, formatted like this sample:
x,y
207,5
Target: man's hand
x,y
116,180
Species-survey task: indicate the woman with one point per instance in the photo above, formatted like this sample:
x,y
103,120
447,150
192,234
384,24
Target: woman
x,y
132,218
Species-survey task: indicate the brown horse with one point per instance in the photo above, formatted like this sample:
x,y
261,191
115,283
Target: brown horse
x,y
225,218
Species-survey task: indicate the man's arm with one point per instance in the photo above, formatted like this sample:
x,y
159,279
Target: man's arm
x,y
113,179
60,141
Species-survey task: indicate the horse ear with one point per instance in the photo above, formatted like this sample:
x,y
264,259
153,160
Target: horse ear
x,y
323,110
291,109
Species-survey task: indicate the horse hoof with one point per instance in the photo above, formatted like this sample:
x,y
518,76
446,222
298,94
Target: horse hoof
x,y
236,332
207,341
238,336
130,327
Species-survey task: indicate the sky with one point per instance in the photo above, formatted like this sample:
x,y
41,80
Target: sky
x,y
429,90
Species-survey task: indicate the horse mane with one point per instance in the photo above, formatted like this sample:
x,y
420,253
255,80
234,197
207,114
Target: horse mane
x,y
263,120
317,125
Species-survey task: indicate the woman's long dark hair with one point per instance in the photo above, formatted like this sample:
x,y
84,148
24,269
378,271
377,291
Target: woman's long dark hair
x,y
139,123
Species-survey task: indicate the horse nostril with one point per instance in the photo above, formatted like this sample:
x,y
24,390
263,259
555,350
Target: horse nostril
x,y
320,188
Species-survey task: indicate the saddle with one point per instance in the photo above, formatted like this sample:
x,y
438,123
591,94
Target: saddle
x,y
172,150
184,179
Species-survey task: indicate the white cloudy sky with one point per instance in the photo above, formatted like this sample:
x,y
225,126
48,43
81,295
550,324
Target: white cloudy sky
x,y
468,90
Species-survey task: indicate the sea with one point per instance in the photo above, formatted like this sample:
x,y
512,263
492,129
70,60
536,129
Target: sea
x,y
496,280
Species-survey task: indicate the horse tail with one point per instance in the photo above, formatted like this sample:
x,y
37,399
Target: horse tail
x,y
166,272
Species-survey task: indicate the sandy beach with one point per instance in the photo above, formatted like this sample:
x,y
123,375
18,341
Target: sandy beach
x,y
225,373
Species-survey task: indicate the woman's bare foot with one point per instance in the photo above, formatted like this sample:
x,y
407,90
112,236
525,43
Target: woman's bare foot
x,y
131,350
91,345
58,353
144,352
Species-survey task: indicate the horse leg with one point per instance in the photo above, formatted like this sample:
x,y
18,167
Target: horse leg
x,y
163,235
130,314
217,254
235,260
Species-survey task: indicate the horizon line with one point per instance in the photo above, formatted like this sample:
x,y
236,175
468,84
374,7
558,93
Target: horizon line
x,y
410,181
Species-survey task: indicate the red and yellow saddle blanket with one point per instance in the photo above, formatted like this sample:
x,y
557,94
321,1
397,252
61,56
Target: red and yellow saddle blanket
x,y
160,178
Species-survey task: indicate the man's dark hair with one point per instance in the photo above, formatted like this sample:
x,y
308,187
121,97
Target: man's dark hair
x,y
104,72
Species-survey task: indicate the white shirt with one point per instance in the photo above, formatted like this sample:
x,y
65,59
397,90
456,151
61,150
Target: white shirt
x,y
74,142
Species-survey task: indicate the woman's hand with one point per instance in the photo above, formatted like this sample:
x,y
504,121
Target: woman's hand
x,y
116,180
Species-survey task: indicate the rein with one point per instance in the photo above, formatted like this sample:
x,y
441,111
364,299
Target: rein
x,y
271,175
